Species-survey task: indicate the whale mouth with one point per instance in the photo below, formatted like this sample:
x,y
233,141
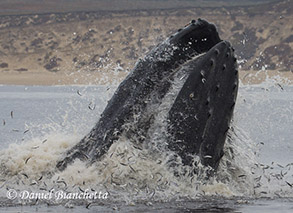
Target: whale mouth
x,y
199,115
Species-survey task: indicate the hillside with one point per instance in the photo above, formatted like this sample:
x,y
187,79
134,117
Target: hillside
x,y
100,41
17,7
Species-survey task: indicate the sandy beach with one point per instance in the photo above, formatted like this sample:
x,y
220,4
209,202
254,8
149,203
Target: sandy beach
x,y
48,79
97,78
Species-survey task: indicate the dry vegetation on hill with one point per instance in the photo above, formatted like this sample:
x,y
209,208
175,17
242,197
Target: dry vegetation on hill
x,y
101,41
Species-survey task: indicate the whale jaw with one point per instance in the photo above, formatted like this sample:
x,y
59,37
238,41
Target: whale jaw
x,y
199,116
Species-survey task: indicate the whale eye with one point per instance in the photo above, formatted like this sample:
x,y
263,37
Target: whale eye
x,y
227,55
212,62
179,30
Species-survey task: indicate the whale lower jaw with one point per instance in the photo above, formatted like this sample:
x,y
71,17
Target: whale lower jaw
x,y
200,71
200,116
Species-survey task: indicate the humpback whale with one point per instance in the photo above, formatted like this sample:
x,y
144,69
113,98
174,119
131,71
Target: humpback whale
x,y
200,114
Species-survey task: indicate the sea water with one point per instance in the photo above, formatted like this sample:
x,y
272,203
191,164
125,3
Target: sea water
x,y
39,123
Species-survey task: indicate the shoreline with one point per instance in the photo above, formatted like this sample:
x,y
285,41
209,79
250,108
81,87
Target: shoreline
x,y
99,78
52,79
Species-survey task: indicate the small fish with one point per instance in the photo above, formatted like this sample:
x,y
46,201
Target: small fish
x,y
154,192
257,186
136,147
242,176
159,162
282,88
88,206
257,179
85,155
284,173
26,131
44,141
80,189
11,114
279,196
91,107
289,184
40,178
4,122
62,181
131,168
78,92
25,175
120,154
27,160
15,130
161,176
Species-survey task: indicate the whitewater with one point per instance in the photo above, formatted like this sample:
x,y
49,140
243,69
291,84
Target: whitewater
x,y
39,123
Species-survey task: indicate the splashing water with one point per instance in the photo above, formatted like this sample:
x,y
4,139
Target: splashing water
x,y
132,172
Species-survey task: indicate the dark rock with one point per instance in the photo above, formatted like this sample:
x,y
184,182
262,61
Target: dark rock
x,y
21,69
3,65
289,39
37,42
53,63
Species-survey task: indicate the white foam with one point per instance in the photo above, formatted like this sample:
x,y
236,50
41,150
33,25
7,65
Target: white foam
x,y
132,173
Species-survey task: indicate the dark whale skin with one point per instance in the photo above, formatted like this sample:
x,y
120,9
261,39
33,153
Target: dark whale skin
x,y
201,114
147,84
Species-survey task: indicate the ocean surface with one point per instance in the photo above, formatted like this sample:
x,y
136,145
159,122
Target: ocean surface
x,y
39,123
